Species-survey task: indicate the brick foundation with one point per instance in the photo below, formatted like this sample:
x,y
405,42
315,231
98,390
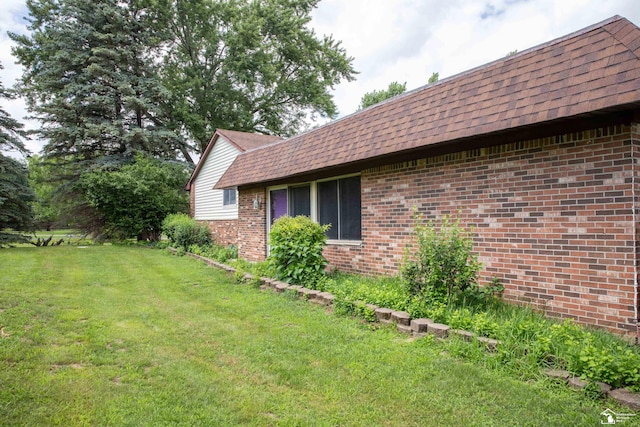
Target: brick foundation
x,y
223,231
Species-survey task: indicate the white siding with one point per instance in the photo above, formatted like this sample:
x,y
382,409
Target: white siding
x,y
208,202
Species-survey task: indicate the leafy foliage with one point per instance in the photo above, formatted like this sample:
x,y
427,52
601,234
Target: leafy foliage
x,y
46,207
444,265
135,198
528,339
185,232
214,251
377,96
296,249
252,66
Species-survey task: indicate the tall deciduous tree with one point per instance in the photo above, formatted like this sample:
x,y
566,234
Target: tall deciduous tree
x,y
377,96
250,65
91,79
15,193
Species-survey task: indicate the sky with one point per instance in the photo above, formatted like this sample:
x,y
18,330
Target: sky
x,y
399,40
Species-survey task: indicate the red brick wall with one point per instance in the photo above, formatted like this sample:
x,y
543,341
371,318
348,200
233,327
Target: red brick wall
x,y
553,219
252,224
346,257
223,231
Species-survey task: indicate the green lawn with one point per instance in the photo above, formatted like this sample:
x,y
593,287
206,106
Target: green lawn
x,y
109,335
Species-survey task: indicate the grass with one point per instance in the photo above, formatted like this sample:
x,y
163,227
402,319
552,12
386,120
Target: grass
x,y
110,335
529,340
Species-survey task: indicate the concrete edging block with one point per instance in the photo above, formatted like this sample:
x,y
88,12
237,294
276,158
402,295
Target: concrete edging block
x,y
400,318
439,330
383,314
420,325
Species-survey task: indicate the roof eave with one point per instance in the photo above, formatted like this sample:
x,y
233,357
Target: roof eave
x,y
616,115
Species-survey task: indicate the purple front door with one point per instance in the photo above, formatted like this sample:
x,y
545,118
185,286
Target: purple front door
x,y
279,203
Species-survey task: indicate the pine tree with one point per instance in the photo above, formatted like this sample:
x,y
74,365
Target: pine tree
x,y
15,193
91,79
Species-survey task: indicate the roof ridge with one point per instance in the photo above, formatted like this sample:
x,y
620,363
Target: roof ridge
x,y
615,36
557,40
560,39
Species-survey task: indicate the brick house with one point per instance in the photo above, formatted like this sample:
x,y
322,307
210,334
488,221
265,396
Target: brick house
x,y
537,151
219,208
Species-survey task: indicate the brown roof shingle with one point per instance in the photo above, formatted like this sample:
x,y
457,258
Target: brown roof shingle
x,y
243,141
593,69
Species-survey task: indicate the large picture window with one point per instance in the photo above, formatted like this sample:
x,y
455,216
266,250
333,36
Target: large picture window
x,y
339,205
336,202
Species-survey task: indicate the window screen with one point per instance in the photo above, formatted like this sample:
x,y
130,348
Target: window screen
x,y
339,205
328,206
300,200
349,208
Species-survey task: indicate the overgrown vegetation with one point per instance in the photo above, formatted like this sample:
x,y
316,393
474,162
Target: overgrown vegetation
x,y
442,266
216,252
296,246
184,231
441,283
135,198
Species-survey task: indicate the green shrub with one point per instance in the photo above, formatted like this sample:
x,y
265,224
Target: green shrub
x,y
184,231
216,252
444,265
296,249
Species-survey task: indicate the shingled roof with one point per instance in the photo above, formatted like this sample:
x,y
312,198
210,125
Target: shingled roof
x,y
243,141
594,69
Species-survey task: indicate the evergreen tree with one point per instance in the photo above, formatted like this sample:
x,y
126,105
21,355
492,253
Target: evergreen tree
x,y
15,194
91,79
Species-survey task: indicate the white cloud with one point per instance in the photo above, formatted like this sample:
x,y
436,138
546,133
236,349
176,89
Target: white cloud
x,y
11,20
407,40
448,39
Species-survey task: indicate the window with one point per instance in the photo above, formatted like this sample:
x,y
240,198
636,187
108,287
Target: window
x,y
229,197
300,200
292,201
336,202
339,205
